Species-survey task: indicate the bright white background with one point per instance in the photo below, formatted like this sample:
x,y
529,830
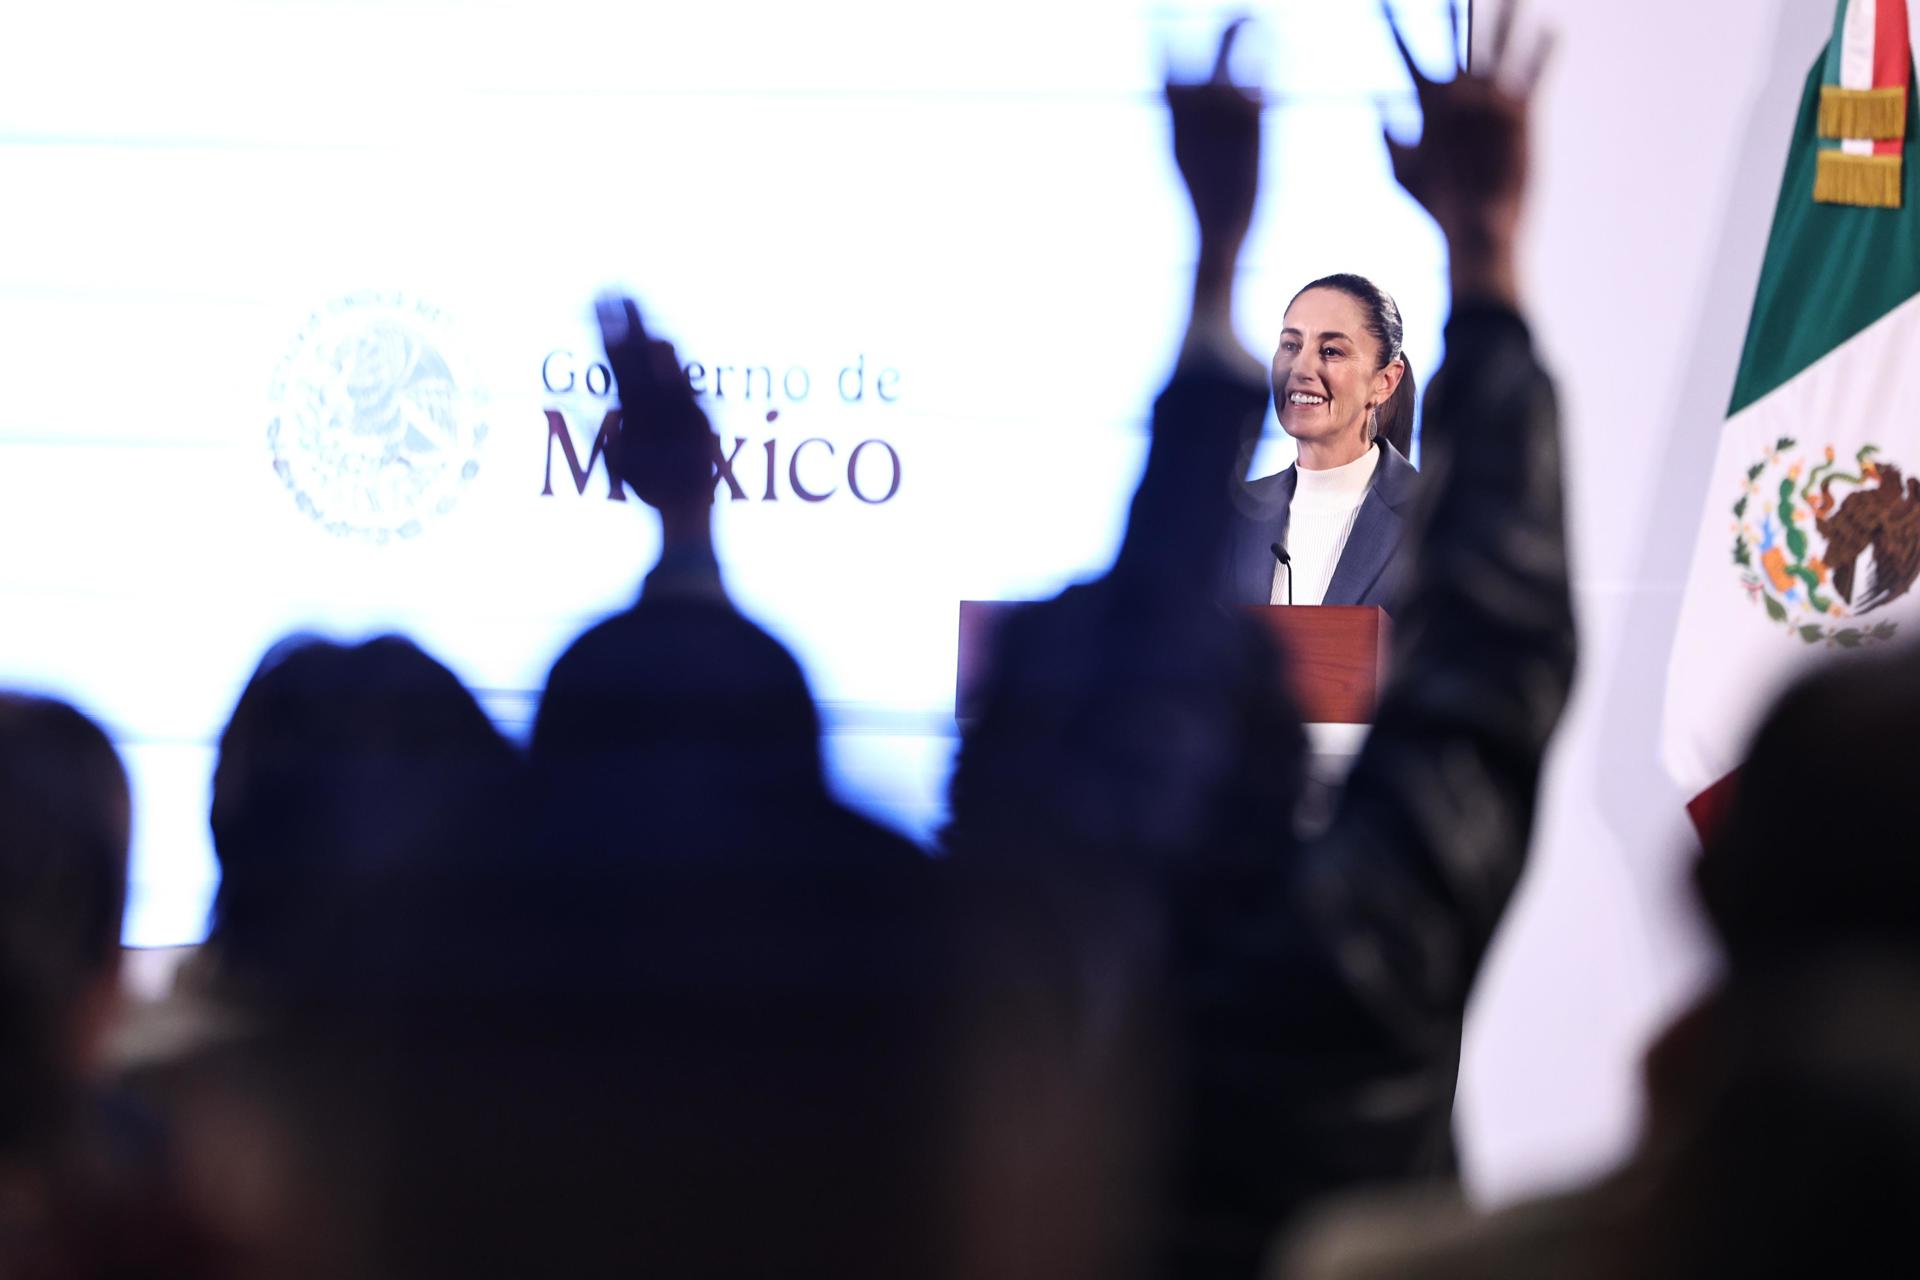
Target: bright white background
x,y
977,197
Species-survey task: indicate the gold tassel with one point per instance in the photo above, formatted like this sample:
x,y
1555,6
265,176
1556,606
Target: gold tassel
x,y
1869,181
1863,113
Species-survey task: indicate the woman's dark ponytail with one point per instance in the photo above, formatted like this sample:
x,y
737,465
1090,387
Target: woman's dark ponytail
x,y
1395,417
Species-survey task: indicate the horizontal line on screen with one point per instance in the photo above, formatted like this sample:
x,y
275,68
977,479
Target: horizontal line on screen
x,y
982,97
1152,97
981,425
69,441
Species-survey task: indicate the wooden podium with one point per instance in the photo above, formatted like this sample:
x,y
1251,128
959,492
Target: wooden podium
x,y
1335,655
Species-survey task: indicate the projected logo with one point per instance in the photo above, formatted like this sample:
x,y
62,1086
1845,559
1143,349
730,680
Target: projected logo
x,y
376,426
813,469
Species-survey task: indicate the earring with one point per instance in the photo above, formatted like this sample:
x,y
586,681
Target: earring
x,y
1373,423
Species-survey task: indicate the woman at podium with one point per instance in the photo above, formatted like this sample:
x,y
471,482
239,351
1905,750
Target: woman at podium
x,y
1327,529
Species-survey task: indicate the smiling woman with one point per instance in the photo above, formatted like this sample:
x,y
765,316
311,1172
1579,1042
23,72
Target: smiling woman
x,y
1343,391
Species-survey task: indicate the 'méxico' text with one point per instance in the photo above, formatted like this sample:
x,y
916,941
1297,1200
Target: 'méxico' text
x,y
814,469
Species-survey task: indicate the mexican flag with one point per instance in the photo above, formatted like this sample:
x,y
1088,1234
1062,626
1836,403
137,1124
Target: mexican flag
x,y
1810,542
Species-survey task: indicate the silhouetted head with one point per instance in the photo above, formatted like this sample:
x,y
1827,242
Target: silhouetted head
x,y
63,885
1818,849
678,723
1201,759
1339,373
1130,751
348,776
688,838
1803,1156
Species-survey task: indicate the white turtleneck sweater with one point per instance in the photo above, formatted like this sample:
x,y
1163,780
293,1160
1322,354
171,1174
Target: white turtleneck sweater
x,y
1319,521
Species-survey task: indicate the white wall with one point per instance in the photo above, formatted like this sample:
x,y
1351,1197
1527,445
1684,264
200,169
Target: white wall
x,y
1661,138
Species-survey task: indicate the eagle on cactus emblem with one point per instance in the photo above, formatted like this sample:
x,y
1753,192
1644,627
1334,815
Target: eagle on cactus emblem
x,y
1820,547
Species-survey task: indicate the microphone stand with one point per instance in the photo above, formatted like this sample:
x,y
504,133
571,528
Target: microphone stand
x,y
1280,554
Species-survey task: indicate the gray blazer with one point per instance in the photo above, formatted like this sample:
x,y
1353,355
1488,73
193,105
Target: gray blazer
x,y
1365,573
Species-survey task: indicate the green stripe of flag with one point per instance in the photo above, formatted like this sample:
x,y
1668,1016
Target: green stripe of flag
x,y
1831,270
1829,68
1835,43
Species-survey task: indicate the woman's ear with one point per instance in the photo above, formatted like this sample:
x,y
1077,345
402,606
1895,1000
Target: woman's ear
x,y
1387,381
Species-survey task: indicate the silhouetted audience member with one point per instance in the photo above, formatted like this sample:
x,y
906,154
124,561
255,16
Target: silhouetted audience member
x,y
1784,1141
678,729
682,731
1788,1145
722,1055
84,1188
1783,1084
364,815
1136,745
1803,1159
357,787
676,750
64,813
1782,878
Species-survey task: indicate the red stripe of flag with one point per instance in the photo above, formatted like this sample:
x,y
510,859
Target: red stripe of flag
x,y
1710,808
1892,58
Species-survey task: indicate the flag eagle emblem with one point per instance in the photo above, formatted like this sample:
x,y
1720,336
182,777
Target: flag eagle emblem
x,y
1820,546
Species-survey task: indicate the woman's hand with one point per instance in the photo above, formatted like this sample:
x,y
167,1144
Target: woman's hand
x,y
1469,168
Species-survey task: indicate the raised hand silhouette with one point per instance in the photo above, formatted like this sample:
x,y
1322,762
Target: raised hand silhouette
x,y
1469,167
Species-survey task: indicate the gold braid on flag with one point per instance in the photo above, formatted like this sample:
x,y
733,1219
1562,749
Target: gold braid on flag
x,y
1863,113
1869,181
1861,122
